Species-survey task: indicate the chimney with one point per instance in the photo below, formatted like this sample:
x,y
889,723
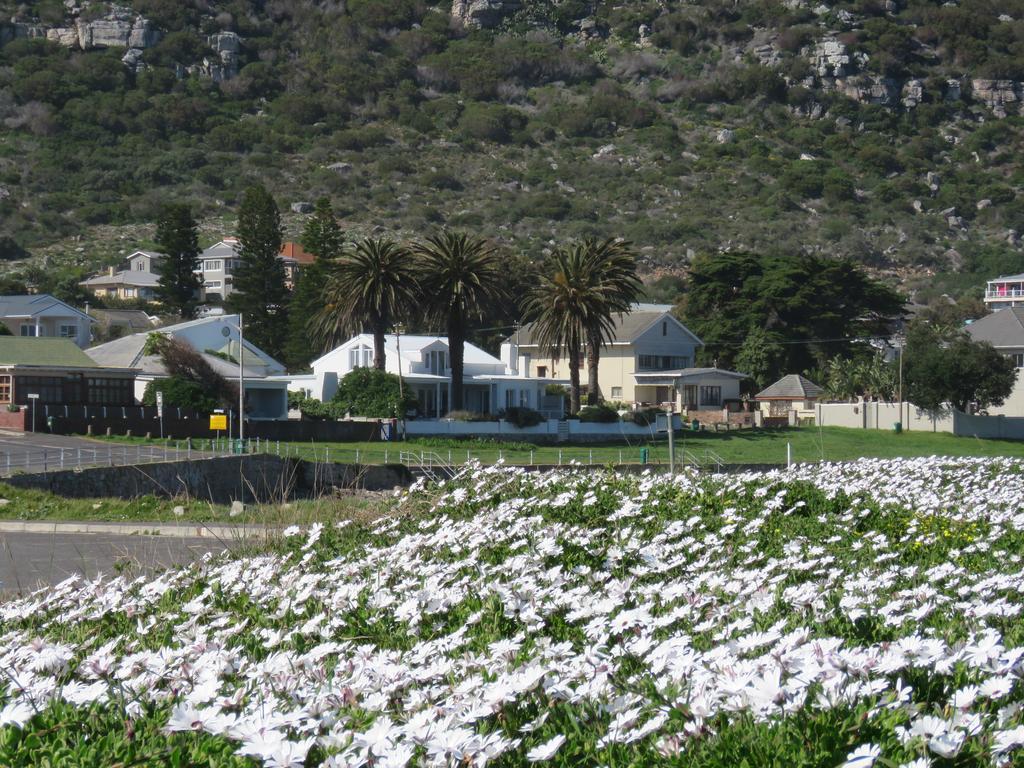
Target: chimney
x,y
111,271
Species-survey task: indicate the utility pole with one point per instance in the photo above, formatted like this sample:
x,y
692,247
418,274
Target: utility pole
x,y
671,445
241,385
401,386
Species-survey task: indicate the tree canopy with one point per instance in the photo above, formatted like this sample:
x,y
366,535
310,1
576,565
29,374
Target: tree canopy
x,y
810,308
950,368
177,238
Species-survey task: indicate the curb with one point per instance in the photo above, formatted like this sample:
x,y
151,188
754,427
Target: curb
x,y
179,530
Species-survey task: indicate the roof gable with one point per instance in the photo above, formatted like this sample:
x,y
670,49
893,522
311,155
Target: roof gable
x,y
1002,329
38,304
791,387
628,326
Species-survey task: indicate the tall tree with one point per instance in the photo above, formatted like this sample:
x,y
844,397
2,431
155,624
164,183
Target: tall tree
x,y
612,287
559,308
259,290
815,307
322,235
459,277
177,238
371,285
949,367
323,238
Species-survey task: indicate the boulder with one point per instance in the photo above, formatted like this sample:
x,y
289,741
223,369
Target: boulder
x,y
830,58
981,205
912,93
143,34
340,168
870,89
104,33
133,59
1001,96
302,207
725,136
481,13
66,36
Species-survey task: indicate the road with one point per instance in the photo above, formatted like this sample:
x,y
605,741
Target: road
x,y
39,452
32,560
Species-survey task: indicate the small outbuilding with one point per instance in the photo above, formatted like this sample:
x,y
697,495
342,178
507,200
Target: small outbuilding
x,y
792,398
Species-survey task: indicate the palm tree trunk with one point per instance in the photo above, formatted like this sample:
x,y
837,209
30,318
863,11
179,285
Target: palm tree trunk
x,y
379,359
574,378
593,357
456,351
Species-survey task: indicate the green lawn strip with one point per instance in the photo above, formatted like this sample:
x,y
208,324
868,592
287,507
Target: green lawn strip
x,y
27,504
753,446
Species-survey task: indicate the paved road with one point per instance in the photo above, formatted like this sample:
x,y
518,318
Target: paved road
x,y
39,452
31,560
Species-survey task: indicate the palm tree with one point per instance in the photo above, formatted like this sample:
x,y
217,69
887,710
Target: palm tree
x,y
560,311
459,277
370,285
613,287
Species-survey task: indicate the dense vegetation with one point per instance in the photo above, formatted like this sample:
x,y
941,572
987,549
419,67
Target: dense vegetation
x,y
531,130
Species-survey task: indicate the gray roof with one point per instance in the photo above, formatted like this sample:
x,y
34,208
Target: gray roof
x,y
134,277
1003,328
126,352
649,377
628,325
791,387
133,319
1007,277
222,250
32,305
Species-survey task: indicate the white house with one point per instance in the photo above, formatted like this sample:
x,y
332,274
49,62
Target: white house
x,y
1004,330
424,365
217,340
43,315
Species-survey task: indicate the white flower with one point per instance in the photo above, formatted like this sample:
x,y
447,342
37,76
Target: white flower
x,y
863,756
546,750
17,712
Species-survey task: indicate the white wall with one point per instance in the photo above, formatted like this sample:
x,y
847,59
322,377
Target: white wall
x,y
443,427
869,415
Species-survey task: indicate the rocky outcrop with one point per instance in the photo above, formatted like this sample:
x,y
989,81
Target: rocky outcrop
x,y
119,27
870,89
830,58
482,13
912,93
226,45
1001,96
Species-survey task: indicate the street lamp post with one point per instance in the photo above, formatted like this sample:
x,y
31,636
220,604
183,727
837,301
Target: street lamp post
x,y
226,332
33,396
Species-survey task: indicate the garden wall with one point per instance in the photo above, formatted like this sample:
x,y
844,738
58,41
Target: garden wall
x,y
997,427
221,480
578,431
870,415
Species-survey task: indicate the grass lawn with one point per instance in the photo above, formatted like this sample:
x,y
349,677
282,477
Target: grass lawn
x,y
756,446
25,504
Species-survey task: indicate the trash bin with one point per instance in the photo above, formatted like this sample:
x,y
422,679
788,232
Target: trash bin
x,y
49,423
695,425
644,453
238,447
897,427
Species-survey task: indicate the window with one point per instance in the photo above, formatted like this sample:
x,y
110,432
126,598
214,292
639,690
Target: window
x,y
69,331
29,330
542,371
360,357
710,395
616,393
437,362
140,265
664,328
5,389
110,392
49,388
129,293
510,398
690,395
662,362
1018,359
524,398
211,284
214,265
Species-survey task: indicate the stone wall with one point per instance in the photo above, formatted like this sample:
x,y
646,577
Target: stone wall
x,y
260,478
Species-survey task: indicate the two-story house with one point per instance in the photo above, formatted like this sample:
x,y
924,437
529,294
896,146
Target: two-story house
x,y
137,280
1004,292
1004,330
424,362
220,261
648,362
42,315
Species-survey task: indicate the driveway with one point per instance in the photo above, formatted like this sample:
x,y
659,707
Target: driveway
x,y
43,452
32,560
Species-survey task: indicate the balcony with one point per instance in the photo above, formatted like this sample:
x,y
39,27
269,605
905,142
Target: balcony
x,y
1006,293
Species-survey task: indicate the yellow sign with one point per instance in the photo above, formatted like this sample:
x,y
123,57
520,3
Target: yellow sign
x,y
218,422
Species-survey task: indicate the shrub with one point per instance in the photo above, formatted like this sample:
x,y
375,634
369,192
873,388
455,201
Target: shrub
x,y
643,417
374,393
521,417
468,416
180,393
602,413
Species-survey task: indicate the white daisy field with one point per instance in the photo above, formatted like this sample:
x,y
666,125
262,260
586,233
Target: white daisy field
x,y
837,615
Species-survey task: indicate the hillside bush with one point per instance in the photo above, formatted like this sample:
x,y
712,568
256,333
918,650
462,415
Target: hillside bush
x,y
521,417
603,413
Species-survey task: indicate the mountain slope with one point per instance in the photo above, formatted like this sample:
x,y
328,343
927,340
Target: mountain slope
x,y
884,131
